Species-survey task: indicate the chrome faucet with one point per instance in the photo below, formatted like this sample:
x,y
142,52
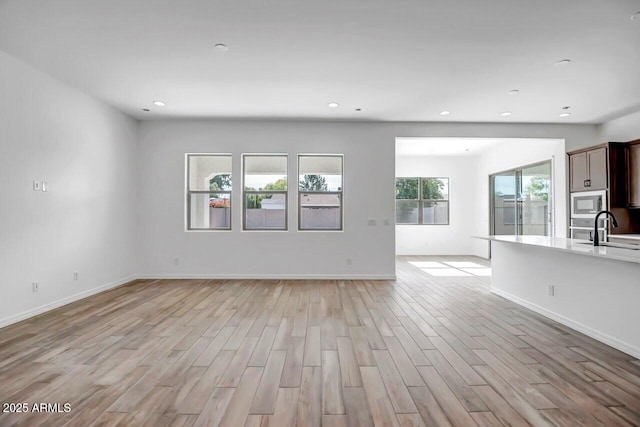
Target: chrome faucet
x,y
596,233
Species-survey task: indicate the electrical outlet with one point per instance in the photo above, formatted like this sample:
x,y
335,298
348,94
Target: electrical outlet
x,y
34,287
45,186
551,290
76,275
176,261
386,221
349,261
36,185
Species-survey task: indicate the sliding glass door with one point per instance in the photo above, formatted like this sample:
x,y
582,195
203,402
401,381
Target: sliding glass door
x,y
503,203
521,201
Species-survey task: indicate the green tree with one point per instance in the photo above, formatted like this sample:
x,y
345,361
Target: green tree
x,y
254,201
406,188
279,185
313,183
538,188
432,189
220,183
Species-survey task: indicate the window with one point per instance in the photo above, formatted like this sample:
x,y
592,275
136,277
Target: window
x,y
320,192
422,201
208,191
264,192
521,201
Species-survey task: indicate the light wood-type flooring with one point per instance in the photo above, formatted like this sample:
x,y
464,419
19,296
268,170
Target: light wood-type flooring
x,y
422,350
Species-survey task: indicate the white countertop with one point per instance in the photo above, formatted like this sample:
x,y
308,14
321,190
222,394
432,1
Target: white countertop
x,y
579,247
625,236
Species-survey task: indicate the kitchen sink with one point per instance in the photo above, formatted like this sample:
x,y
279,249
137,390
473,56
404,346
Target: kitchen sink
x,y
614,245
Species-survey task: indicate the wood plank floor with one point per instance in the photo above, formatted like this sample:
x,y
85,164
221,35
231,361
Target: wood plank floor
x,y
419,351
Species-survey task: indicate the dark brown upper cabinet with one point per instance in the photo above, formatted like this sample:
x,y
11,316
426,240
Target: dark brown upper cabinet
x,y
633,174
602,167
588,169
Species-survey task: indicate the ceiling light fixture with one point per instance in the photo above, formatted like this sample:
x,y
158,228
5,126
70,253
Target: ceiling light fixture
x,y
564,114
159,103
333,105
563,62
445,113
221,47
505,113
513,92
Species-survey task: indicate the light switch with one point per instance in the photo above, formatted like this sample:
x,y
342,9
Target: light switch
x,y
371,222
36,185
44,186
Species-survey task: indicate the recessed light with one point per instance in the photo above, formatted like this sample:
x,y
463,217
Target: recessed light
x,y
146,110
505,113
221,47
445,113
159,103
358,109
635,17
513,92
564,114
563,62
333,105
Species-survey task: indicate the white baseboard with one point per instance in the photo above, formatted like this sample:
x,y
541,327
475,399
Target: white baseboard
x,y
64,301
593,333
271,276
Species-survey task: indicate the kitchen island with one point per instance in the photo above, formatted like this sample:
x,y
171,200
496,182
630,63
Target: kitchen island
x,y
595,290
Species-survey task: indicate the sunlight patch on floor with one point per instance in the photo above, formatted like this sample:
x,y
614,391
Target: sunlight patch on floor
x,y
484,271
445,272
452,268
463,264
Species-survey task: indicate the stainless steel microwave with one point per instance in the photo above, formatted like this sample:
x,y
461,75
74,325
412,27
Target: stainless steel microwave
x,y
587,204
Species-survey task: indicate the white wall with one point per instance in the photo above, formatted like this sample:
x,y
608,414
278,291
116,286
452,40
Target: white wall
x,y
594,295
452,239
85,222
516,153
368,194
369,150
622,129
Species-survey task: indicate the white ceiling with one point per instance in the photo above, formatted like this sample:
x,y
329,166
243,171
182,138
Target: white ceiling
x,y
419,146
402,60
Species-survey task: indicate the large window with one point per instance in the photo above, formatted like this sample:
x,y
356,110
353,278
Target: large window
x,y
208,191
264,192
422,201
520,201
320,192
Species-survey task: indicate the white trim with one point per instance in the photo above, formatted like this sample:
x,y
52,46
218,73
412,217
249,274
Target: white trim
x,y
271,276
15,318
593,333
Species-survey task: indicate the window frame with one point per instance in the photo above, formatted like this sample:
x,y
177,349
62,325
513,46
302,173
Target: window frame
x,y
190,192
246,192
339,193
421,200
